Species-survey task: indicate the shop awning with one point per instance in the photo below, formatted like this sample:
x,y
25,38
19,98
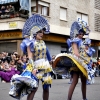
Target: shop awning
x,y
7,1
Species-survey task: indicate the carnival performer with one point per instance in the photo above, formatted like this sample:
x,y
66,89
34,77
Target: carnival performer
x,y
77,61
89,51
39,67
87,54
78,49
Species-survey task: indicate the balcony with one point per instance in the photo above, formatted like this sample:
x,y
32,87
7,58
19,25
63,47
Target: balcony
x,y
12,23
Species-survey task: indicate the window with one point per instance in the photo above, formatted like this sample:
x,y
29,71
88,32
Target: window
x,y
97,22
63,13
34,5
82,16
97,4
40,7
43,8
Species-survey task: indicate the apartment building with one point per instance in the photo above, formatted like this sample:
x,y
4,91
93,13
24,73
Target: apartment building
x,y
60,14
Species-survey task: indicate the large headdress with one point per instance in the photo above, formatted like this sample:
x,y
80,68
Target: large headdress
x,y
35,24
77,27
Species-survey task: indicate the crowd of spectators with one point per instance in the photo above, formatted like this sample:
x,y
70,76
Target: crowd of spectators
x,y
9,11
13,63
10,64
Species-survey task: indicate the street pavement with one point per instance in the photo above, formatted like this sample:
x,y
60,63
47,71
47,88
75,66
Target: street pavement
x,y
58,91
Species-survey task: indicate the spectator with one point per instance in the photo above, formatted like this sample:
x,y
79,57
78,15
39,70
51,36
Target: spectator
x,y
53,58
98,64
24,62
1,65
11,10
16,53
3,56
10,71
7,15
3,8
0,56
96,69
3,12
19,64
13,56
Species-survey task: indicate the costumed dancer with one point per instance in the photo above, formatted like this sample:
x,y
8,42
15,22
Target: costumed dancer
x,y
87,54
89,51
75,61
78,49
39,67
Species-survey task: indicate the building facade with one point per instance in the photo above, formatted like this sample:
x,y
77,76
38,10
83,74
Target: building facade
x,y
60,14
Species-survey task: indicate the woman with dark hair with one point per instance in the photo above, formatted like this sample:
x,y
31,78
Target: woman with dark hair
x,y
78,60
82,56
39,57
8,71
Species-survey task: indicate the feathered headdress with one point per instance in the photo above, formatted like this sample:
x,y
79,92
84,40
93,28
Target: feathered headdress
x,y
78,26
34,24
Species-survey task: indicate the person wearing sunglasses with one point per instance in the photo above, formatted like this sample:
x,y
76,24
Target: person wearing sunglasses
x,y
39,67
89,51
80,65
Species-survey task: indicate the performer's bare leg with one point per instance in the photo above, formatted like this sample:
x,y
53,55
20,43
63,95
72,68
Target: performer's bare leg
x,y
83,86
46,93
31,95
73,85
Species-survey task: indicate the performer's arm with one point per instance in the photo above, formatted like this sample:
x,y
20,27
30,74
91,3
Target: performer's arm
x,y
30,56
48,54
89,53
75,49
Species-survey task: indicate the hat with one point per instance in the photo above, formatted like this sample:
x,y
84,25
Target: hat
x,y
77,27
35,24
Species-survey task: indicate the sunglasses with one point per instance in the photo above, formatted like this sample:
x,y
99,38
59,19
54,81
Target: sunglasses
x,y
81,34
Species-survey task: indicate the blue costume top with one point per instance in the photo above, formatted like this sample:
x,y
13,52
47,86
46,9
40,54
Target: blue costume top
x,y
37,47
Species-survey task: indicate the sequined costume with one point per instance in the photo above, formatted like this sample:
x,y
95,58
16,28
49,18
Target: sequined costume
x,y
41,57
85,57
82,63
26,82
